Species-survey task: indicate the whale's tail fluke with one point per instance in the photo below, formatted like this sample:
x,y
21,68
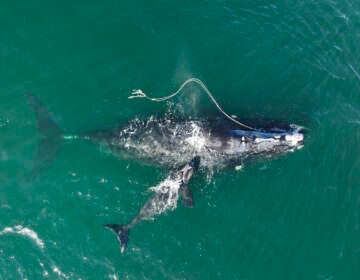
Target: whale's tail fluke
x,y
122,233
50,134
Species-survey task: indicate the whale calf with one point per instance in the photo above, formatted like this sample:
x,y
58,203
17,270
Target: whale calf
x,y
168,190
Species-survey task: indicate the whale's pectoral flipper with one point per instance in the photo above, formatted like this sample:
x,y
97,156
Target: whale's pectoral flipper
x,y
50,134
186,173
122,233
186,195
188,170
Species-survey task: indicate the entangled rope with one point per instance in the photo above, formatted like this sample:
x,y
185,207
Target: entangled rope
x,y
138,93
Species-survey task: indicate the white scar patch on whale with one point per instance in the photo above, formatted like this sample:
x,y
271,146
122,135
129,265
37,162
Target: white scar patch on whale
x,y
24,231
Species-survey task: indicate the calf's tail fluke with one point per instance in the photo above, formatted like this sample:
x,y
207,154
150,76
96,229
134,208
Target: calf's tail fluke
x,y
50,135
122,233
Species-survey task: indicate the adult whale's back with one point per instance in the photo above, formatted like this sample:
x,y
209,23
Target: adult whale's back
x,y
172,142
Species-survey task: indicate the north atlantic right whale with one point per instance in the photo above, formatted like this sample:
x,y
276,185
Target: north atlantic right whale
x,y
164,195
181,145
215,145
173,142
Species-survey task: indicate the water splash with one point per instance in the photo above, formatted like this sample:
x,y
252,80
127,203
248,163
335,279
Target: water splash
x,y
24,231
169,189
58,272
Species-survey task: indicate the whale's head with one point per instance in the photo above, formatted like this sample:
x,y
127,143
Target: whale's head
x,y
272,140
294,138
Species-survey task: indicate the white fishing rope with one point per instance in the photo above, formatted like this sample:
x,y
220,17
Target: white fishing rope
x,y
138,93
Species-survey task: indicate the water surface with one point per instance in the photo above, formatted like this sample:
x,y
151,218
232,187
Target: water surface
x,y
297,217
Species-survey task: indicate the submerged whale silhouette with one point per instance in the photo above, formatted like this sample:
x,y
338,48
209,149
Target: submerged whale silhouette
x,y
183,145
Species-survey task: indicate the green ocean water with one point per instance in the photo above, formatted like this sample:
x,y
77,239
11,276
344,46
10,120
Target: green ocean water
x,y
295,217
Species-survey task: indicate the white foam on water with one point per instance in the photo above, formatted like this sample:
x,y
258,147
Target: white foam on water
x,y
4,122
113,277
24,231
170,189
197,139
57,271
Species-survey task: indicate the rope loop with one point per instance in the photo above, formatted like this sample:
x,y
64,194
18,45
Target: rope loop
x,y
138,93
